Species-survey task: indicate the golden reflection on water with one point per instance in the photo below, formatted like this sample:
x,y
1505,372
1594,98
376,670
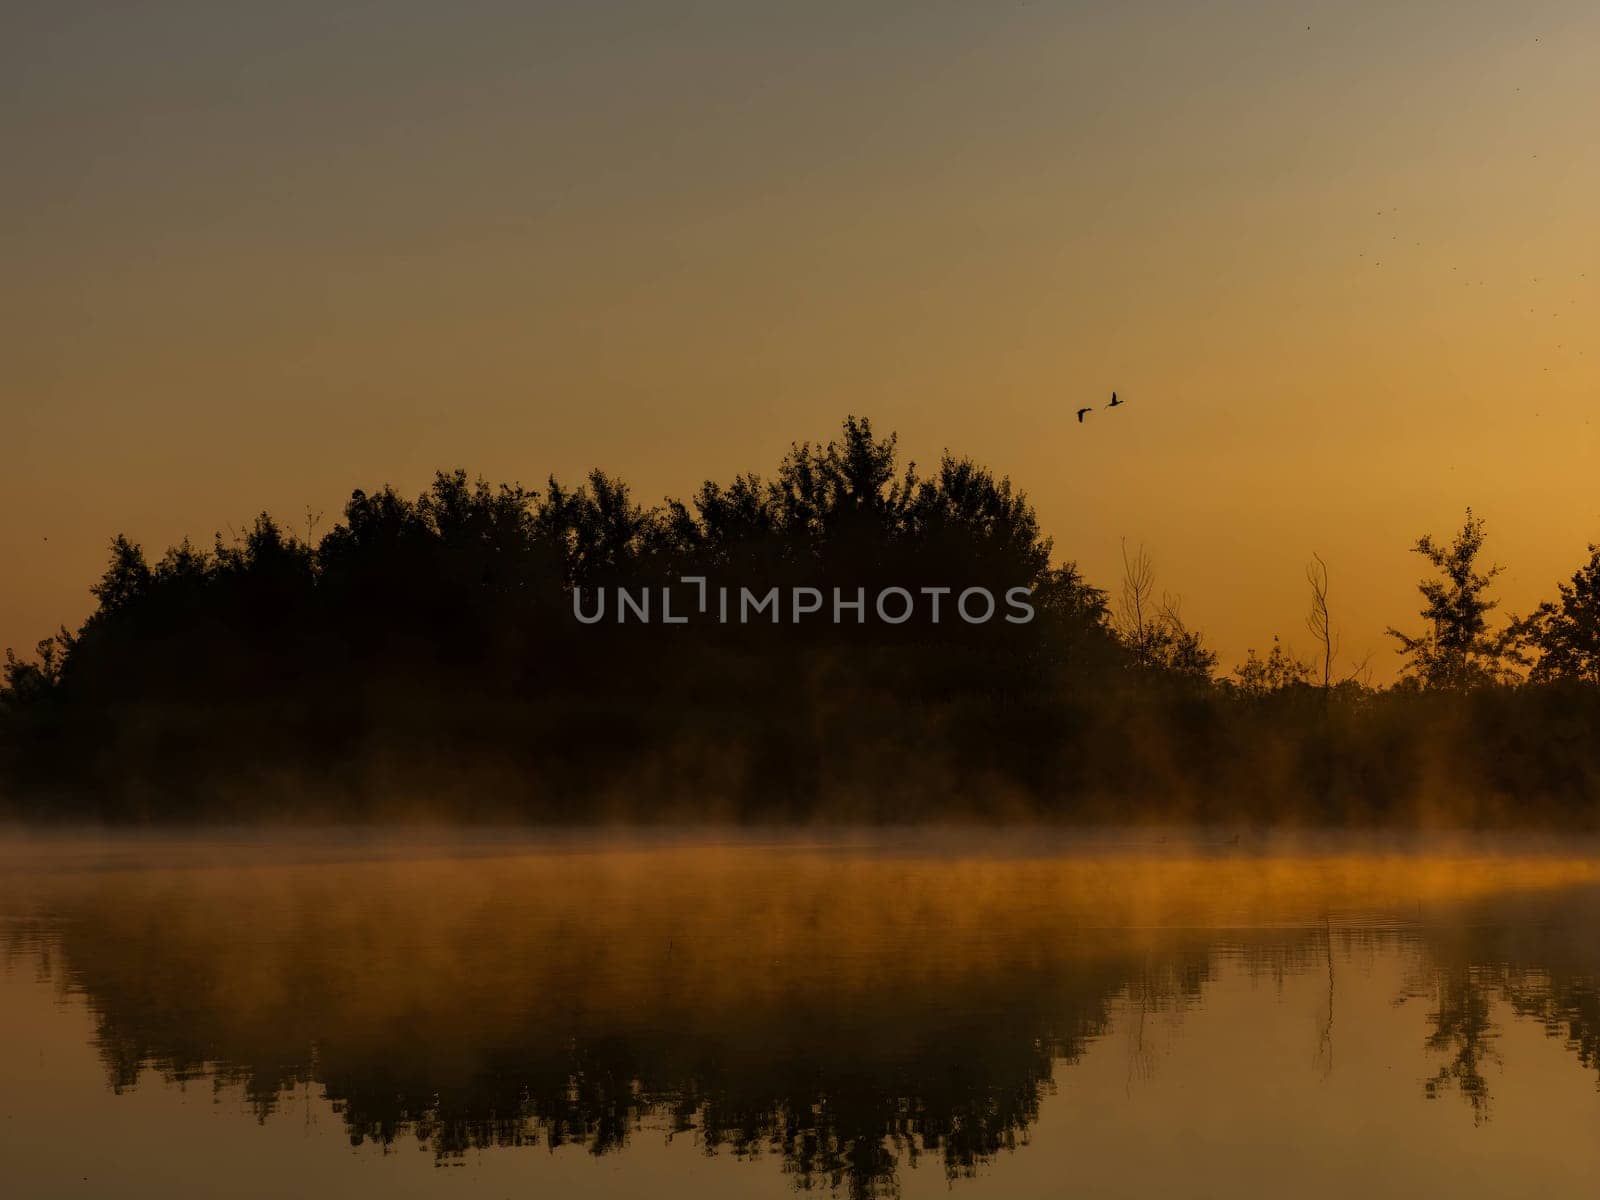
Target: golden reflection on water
x,y
850,1006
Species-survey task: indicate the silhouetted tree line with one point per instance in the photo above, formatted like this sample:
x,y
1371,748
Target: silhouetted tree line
x,y
424,656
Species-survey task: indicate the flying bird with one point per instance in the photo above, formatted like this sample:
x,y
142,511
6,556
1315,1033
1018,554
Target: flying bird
x,y
1115,401
1081,411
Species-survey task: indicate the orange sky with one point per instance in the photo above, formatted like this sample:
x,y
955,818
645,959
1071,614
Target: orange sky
x,y
1347,276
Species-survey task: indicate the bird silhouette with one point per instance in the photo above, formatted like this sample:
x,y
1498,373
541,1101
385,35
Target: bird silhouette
x,y
1081,411
1115,401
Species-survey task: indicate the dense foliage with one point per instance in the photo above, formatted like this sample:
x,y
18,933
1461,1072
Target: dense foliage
x,y
423,656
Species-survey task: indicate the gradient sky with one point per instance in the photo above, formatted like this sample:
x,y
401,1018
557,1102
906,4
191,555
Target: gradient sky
x,y
1342,259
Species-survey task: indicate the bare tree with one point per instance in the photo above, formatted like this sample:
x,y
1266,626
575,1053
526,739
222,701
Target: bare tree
x,y
1154,630
1136,610
1318,620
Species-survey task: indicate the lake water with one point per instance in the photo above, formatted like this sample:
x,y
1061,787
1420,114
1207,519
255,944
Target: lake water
x,y
1020,1014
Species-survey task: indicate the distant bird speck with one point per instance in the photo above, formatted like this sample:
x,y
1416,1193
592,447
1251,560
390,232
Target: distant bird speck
x,y
1114,401
1081,411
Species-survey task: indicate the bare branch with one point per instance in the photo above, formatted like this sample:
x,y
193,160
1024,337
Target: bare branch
x,y
1318,621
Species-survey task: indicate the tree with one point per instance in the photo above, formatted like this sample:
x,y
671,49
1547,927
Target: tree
x,y
29,682
1173,647
1135,611
126,578
1456,650
1564,635
1154,631
1258,676
1318,620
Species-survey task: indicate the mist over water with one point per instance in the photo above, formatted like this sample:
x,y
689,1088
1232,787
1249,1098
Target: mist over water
x,y
880,1012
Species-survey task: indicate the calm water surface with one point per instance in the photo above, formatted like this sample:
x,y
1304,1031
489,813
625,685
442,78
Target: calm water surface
x,y
1022,1015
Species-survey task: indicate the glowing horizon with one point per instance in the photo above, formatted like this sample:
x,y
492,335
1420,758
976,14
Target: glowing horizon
x,y
1340,260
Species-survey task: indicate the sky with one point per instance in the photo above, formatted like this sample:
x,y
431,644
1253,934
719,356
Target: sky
x,y
1340,259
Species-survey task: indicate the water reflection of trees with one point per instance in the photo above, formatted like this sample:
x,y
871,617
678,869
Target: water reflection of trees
x,y
1532,953
852,1024
1464,1031
1464,1034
